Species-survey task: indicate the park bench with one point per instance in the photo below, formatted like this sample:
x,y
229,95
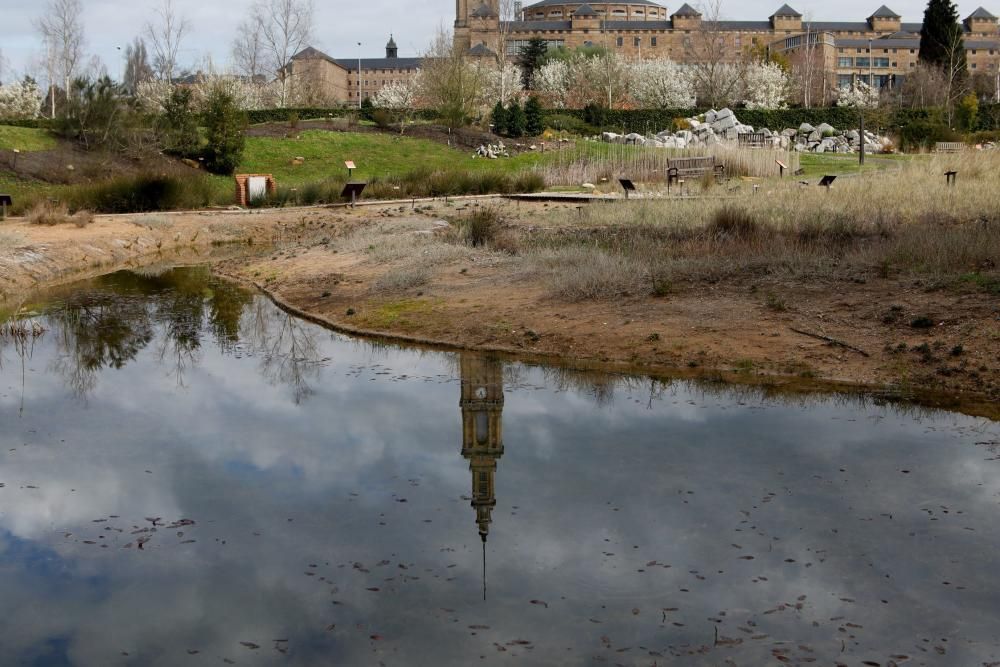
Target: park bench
x,y
682,167
751,139
949,147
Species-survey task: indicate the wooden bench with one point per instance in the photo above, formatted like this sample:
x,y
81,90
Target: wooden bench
x,y
680,167
752,139
949,147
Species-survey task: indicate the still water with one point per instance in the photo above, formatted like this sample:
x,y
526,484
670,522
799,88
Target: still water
x,y
188,475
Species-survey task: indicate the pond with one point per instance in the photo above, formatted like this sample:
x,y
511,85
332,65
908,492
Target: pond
x,y
189,475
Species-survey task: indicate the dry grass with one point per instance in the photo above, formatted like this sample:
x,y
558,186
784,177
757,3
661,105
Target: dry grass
x,y
50,214
905,223
592,162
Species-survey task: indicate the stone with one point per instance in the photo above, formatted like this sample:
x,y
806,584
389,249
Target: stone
x,y
724,123
711,116
824,128
815,136
806,128
725,113
588,186
609,137
789,132
636,139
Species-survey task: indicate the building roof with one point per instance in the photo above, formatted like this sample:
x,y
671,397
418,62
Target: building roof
x,y
785,10
585,10
483,11
687,10
981,13
392,42
481,50
549,3
884,12
351,64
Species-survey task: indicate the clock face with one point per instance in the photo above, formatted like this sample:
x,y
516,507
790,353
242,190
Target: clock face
x,y
481,393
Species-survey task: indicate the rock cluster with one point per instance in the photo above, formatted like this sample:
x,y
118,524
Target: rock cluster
x,y
492,151
722,127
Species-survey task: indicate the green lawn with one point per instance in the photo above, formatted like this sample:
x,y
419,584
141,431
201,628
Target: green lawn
x,y
25,139
375,154
835,164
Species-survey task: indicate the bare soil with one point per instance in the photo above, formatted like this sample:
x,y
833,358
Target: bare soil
x,y
724,331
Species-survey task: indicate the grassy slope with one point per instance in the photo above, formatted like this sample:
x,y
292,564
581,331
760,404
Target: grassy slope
x,y
375,155
25,139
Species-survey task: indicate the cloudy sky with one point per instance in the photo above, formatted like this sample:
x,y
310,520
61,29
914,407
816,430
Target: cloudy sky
x,y
339,24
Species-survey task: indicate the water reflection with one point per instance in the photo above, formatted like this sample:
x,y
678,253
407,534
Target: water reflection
x,y
482,435
303,498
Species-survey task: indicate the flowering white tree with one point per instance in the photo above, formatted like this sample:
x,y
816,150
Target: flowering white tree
x,y
765,86
860,95
248,95
662,84
398,95
152,95
552,83
20,101
501,84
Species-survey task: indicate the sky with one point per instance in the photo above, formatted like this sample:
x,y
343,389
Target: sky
x,y
340,25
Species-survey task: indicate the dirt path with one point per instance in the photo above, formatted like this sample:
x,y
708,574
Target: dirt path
x,y
779,337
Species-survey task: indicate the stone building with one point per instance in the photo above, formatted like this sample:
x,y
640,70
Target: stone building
x,y
881,49
644,29
318,80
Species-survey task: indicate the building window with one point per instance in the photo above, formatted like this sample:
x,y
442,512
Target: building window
x,y
637,42
619,41
652,41
862,62
880,62
844,81
845,62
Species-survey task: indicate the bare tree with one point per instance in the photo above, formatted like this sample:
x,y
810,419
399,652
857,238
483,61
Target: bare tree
x,y
165,37
137,67
248,49
449,82
505,61
717,78
285,29
61,28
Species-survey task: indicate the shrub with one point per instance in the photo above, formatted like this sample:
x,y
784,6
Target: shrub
x,y
481,226
516,120
367,108
48,213
499,118
178,125
534,122
225,123
571,124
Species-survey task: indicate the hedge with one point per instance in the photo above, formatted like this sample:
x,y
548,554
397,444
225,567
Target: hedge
x,y
655,120
258,116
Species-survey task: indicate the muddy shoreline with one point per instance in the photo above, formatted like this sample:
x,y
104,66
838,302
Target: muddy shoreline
x,y
717,334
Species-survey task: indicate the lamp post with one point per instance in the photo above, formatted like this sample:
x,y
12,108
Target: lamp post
x,y
359,75
119,64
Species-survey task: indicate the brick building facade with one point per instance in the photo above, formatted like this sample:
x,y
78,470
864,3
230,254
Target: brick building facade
x,y
882,49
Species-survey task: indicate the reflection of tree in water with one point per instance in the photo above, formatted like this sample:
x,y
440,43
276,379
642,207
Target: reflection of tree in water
x,y
287,347
108,324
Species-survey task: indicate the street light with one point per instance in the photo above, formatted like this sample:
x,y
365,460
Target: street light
x,y
359,75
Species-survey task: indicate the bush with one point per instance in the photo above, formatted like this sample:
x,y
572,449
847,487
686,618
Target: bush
x,y
179,125
534,122
499,119
571,124
367,108
481,226
516,120
225,123
48,213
